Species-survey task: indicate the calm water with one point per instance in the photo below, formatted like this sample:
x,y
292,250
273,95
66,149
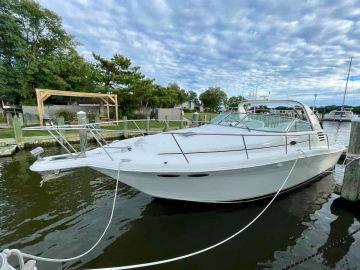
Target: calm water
x,y
66,216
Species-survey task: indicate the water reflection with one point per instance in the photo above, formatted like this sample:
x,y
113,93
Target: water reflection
x,y
169,229
65,216
347,213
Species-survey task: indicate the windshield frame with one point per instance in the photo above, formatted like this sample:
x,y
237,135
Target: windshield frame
x,y
247,114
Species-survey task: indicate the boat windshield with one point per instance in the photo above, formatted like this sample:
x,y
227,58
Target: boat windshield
x,y
262,122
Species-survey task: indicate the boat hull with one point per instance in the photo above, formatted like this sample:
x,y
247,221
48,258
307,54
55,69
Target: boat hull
x,y
228,186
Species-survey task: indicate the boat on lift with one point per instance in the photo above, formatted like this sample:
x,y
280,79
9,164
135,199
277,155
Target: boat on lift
x,y
239,156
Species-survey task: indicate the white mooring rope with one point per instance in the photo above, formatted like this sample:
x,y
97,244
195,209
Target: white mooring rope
x,y
22,255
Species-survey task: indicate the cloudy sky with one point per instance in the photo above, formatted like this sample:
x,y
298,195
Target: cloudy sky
x,y
292,49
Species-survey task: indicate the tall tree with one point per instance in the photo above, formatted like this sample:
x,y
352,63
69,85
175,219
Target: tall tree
x,y
169,96
213,98
234,101
193,97
116,73
119,76
32,42
180,95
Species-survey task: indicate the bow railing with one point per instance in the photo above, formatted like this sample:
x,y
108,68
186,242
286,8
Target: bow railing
x,y
96,133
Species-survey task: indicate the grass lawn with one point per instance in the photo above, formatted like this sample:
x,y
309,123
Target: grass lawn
x,y
154,125
9,133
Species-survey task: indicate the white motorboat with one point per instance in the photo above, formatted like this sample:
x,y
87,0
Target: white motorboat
x,y
342,115
339,116
239,156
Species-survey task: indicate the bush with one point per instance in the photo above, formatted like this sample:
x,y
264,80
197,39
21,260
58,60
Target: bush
x,y
68,116
91,117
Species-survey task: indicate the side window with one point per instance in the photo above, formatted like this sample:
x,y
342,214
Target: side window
x,y
300,125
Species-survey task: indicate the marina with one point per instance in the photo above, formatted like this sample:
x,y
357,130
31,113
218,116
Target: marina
x,y
166,134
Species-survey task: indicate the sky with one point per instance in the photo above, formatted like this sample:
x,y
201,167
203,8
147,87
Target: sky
x,y
290,49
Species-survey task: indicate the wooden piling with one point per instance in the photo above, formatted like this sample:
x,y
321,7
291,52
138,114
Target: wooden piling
x,y
9,119
81,116
195,118
351,183
181,121
147,123
17,131
166,127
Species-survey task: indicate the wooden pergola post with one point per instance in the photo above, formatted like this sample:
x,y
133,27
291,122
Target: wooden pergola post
x,y
43,94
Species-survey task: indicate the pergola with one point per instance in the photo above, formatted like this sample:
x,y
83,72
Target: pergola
x,y
43,94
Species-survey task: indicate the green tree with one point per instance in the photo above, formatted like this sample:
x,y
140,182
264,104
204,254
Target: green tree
x,y
180,95
213,98
115,73
234,101
193,97
32,42
169,96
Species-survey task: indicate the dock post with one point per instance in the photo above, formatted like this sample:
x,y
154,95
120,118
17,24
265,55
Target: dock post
x,y
181,121
81,116
351,183
166,128
125,126
195,118
147,123
9,119
17,131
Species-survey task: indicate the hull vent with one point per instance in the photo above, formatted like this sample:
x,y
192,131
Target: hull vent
x,y
321,136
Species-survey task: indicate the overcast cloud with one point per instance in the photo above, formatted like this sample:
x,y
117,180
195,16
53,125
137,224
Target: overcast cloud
x,y
293,49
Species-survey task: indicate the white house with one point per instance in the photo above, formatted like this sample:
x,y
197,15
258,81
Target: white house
x,y
191,105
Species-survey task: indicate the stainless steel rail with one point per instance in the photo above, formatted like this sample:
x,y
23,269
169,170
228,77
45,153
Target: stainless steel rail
x,y
243,136
99,138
